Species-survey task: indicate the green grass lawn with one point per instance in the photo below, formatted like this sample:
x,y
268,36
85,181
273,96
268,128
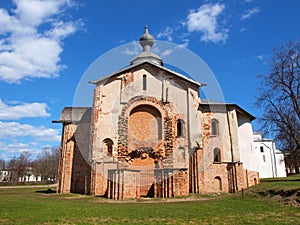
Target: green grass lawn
x,y
32,206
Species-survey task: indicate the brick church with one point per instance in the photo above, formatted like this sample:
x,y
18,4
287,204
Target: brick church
x,y
148,133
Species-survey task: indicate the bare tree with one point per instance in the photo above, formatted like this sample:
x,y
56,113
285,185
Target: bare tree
x,y
2,164
12,167
18,166
279,99
23,164
46,163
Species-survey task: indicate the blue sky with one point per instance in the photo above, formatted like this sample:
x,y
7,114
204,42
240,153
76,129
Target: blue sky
x,y
47,46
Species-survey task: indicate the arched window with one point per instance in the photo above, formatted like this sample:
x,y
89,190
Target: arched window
x,y
180,128
217,155
218,182
214,127
108,146
145,124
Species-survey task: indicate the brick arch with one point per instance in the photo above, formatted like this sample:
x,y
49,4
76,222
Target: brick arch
x,y
108,146
143,100
218,184
165,110
145,124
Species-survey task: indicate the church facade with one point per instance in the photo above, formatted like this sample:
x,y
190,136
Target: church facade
x,y
148,133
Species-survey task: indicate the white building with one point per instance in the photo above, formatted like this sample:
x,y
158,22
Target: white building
x,y
4,175
30,176
270,161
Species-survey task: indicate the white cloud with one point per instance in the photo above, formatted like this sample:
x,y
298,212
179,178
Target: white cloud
x,y
250,12
243,29
17,147
260,57
63,29
17,130
28,110
166,52
184,44
31,39
204,20
9,150
34,12
166,33
134,49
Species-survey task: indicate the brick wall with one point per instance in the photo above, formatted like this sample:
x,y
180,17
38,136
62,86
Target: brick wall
x,y
123,184
81,174
148,113
74,171
66,159
171,183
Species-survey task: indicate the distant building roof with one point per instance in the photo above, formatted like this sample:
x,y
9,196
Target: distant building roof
x,y
206,102
74,115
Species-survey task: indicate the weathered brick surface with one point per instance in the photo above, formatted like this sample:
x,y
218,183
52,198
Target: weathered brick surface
x,y
154,109
228,175
74,169
81,174
123,184
66,159
171,183
252,178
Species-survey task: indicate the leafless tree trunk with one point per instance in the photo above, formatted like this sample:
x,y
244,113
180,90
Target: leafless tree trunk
x,y
2,164
46,164
279,99
18,167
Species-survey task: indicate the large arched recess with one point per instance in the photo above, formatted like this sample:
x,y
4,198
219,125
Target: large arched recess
x,y
144,127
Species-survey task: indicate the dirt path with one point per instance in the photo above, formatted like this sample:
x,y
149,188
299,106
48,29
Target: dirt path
x,y
29,186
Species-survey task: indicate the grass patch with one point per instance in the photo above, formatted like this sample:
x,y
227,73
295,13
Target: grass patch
x,y
40,206
285,190
277,184
295,177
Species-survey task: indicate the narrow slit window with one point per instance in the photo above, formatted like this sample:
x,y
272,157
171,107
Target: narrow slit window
x,y
261,149
217,155
144,82
214,127
180,128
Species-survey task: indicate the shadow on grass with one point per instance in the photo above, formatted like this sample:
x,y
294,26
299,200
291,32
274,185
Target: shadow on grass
x,y
48,191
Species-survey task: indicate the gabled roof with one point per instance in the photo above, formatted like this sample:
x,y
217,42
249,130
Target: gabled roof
x,y
123,70
146,57
206,102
